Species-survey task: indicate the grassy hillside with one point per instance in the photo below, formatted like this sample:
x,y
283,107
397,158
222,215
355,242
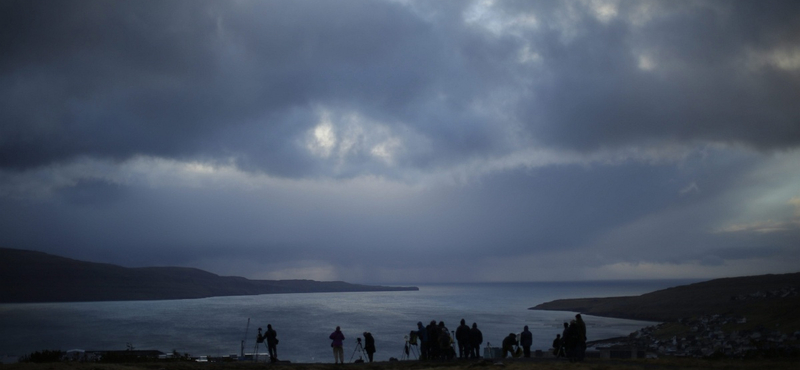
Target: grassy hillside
x,y
765,299
27,276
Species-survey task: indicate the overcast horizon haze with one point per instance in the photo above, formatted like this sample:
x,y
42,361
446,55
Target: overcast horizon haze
x,y
402,141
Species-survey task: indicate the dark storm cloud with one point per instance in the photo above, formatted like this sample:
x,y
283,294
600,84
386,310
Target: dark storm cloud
x,y
227,79
701,87
380,140
174,79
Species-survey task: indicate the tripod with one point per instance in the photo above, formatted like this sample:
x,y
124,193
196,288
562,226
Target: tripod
x,y
260,339
409,349
360,350
255,351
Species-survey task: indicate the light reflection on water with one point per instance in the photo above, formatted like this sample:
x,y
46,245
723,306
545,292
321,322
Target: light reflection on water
x,y
216,326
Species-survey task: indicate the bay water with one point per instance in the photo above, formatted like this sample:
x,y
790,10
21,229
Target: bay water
x,y
222,326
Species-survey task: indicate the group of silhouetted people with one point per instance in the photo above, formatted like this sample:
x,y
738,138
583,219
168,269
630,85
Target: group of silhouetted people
x,y
436,342
522,344
571,343
337,343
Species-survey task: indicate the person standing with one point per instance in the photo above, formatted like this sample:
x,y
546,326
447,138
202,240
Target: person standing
x,y
564,335
462,336
422,336
338,345
446,351
433,340
369,344
581,327
272,343
558,346
526,341
571,341
476,339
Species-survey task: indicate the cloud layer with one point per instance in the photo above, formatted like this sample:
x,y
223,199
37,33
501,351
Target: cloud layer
x,y
404,141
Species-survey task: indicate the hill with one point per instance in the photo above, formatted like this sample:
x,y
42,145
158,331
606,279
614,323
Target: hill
x,y
29,276
766,299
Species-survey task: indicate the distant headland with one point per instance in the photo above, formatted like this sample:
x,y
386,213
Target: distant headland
x,y
752,296
739,317
29,276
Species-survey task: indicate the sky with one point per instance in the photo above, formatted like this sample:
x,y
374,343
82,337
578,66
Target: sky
x,y
405,141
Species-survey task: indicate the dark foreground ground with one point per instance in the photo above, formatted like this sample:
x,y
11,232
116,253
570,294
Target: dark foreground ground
x,y
594,364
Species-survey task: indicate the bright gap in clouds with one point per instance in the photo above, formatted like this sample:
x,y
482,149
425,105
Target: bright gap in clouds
x,y
403,140
350,137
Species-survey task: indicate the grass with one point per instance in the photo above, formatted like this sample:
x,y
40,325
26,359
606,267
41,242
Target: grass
x,y
533,364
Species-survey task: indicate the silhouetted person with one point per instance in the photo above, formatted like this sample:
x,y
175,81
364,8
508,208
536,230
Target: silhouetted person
x,y
446,351
272,343
424,345
571,341
462,336
508,344
558,346
581,333
476,339
369,345
526,341
338,345
433,339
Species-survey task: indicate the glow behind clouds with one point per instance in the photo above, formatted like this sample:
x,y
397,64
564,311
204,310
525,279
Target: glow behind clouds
x,y
405,141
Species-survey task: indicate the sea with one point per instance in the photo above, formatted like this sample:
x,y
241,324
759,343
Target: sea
x,y
226,326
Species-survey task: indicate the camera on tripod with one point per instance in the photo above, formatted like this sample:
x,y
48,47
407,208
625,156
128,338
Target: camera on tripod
x,y
360,350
